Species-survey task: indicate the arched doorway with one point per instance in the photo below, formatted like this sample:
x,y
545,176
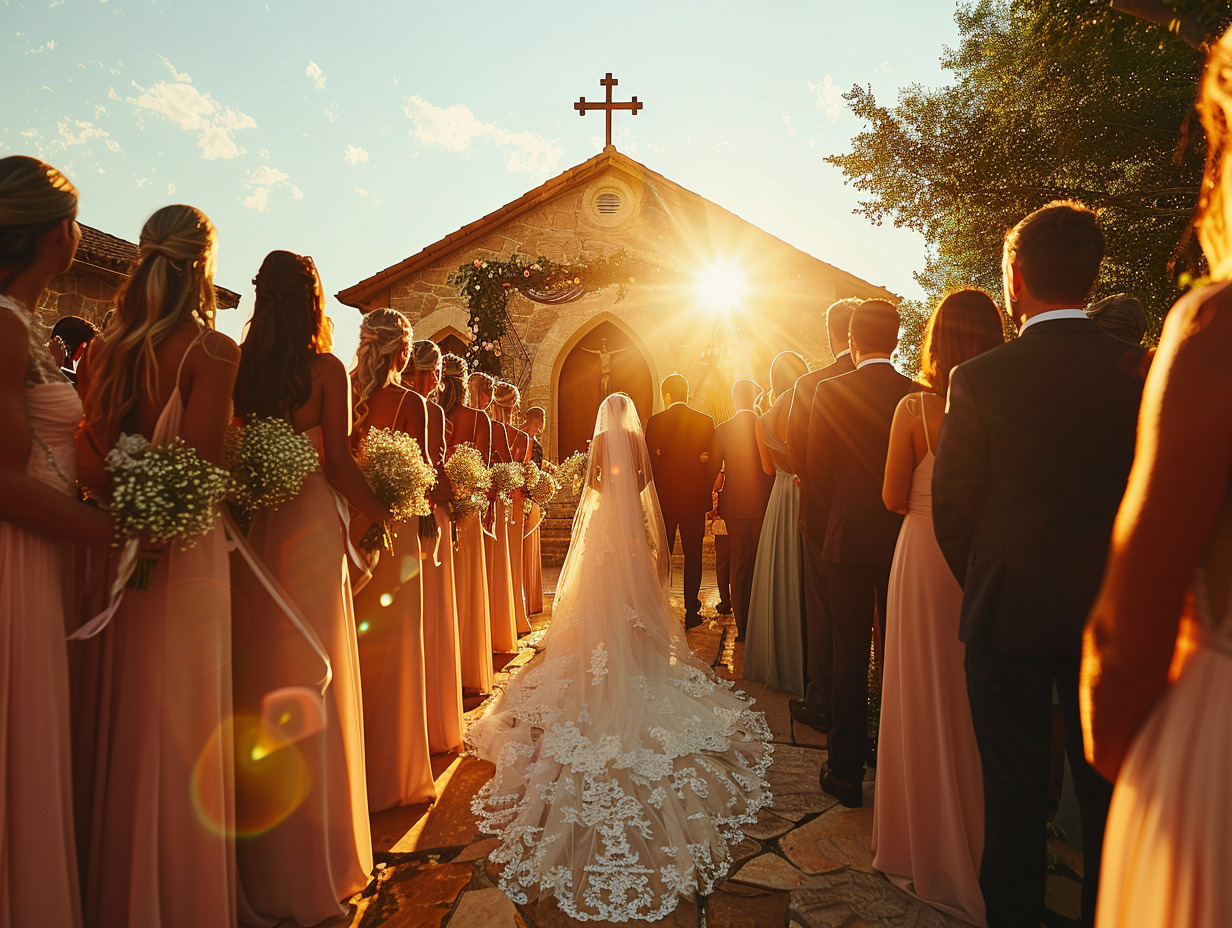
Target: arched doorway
x,y
581,386
451,344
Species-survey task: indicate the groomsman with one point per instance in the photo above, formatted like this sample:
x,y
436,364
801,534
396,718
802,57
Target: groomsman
x,y
815,709
746,490
849,435
681,445
1030,468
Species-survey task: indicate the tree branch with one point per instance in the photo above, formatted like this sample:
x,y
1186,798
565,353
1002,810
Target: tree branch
x,y
1188,28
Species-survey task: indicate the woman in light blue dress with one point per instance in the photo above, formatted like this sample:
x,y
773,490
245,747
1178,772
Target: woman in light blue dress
x,y
774,640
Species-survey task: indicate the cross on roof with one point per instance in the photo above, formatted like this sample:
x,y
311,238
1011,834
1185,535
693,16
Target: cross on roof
x,y
609,82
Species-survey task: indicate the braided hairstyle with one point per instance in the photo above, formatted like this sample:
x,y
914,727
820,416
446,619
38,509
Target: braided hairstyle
x,y
384,348
426,358
505,400
34,197
453,391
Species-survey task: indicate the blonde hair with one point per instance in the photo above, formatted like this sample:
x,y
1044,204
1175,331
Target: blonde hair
x,y
1214,102
34,196
171,284
454,383
382,335
505,399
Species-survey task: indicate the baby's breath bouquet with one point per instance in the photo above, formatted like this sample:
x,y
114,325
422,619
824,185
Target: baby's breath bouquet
x,y
470,480
397,472
506,480
540,486
571,474
162,494
268,462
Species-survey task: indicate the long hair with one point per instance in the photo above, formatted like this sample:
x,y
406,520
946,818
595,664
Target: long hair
x,y
426,356
34,196
786,368
453,383
505,400
964,324
287,330
172,284
1215,99
384,348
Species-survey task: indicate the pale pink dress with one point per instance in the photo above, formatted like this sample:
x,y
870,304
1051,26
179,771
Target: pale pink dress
x,y
500,582
532,565
470,576
442,653
389,617
38,864
306,842
158,680
928,813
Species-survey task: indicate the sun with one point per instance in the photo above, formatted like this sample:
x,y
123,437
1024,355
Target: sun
x,y
721,287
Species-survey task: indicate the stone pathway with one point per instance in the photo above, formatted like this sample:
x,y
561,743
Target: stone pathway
x,y
806,863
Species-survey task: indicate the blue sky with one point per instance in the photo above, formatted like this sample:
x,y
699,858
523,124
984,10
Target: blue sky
x,y
360,135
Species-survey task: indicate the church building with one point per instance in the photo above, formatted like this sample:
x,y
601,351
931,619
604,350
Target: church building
x,y
730,298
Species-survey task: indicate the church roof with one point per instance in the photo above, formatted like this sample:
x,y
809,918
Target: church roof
x,y
573,177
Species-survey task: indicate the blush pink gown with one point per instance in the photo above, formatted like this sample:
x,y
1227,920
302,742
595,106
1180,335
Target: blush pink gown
x,y
928,813
500,582
532,565
442,652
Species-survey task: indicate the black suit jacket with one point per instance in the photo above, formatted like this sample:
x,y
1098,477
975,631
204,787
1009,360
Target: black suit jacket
x,y
746,487
676,439
812,511
849,435
1031,465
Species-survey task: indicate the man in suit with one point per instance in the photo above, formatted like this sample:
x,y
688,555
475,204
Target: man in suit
x,y
532,424
681,444
1030,467
746,490
849,435
815,709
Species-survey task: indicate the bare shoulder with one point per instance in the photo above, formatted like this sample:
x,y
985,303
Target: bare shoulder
x,y
328,367
220,348
14,341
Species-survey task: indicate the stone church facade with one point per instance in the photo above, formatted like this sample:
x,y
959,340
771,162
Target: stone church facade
x,y
606,204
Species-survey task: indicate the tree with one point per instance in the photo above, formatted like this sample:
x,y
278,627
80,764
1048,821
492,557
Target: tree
x,y
1052,99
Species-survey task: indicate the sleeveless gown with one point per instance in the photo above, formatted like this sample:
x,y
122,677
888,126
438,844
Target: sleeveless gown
x,y
928,812
162,828
532,565
38,877
305,838
442,651
774,646
500,582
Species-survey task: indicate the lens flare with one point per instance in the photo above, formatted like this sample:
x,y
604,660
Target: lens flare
x,y
387,599
410,570
721,286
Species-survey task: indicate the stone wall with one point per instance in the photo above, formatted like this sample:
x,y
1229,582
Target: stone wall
x,y
80,292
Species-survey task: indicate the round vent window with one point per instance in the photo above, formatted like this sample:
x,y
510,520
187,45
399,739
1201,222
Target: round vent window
x,y
608,204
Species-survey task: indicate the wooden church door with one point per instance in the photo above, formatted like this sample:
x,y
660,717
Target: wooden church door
x,y
582,388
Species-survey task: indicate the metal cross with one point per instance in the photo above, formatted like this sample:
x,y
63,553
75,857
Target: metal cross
x,y
609,82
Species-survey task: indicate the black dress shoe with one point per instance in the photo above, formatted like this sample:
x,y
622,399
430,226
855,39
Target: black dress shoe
x,y
723,609
692,620
849,794
802,712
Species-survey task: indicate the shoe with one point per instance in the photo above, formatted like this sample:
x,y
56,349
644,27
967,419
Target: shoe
x,y
692,620
802,712
723,609
849,794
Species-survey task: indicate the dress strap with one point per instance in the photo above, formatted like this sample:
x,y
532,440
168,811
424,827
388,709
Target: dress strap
x,y
398,411
928,442
179,371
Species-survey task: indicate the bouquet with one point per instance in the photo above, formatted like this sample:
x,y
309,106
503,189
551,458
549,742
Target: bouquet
x,y
571,474
268,463
506,480
398,474
162,494
470,481
540,486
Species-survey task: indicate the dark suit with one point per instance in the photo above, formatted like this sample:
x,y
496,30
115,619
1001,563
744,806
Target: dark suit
x,y
1031,465
849,435
742,503
817,633
677,438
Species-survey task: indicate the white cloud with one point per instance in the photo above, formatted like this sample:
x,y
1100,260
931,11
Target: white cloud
x,y
194,111
267,177
263,153
142,181
179,76
354,155
331,111
884,68
455,128
258,200
361,191
314,74
262,181
829,97
170,189
785,119
48,46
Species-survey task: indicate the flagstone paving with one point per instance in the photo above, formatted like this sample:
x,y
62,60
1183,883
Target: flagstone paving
x,y
805,863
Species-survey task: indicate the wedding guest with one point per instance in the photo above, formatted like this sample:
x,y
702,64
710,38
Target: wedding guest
x,y
722,550
928,812
503,612
466,425
1156,668
389,608
1120,315
440,608
158,678
504,408
773,651
70,336
41,518
849,433
305,848
746,490
532,552
1030,466
816,709
681,443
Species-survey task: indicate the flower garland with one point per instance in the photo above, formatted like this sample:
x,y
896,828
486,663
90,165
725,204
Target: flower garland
x,y
485,287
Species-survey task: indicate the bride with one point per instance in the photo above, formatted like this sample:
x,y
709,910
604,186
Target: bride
x,y
624,767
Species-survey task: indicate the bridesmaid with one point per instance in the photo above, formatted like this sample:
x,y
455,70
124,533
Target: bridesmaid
x,y
532,554
303,805
773,652
40,520
505,403
440,609
389,608
928,816
467,425
503,613
161,847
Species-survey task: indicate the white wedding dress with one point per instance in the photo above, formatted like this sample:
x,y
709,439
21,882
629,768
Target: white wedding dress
x,y
624,767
